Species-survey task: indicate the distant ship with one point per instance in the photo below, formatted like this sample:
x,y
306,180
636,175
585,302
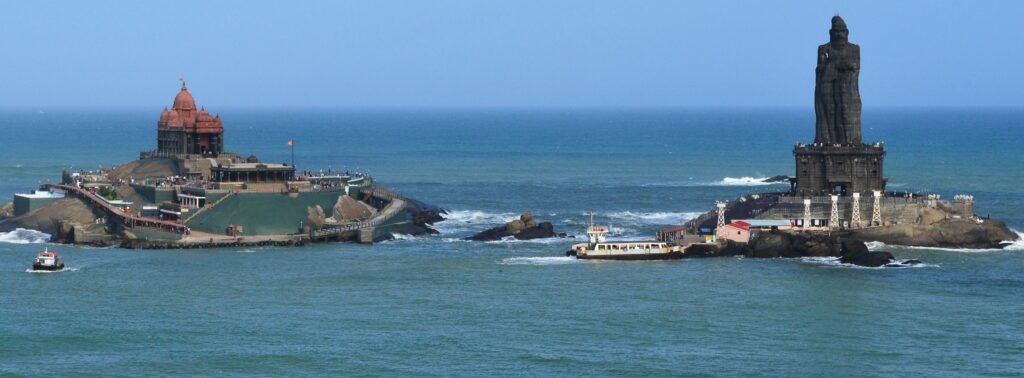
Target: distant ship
x,y
598,248
47,261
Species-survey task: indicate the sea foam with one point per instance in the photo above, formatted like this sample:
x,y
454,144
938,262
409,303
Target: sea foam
x,y
654,218
544,260
745,181
24,236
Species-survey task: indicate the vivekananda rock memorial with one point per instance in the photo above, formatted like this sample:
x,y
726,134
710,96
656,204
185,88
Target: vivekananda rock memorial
x,y
191,193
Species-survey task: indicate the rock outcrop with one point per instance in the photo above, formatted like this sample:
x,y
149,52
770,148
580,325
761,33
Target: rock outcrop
x,y
786,245
6,210
941,233
49,218
349,209
524,228
315,218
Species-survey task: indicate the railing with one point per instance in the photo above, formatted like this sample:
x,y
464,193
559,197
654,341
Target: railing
x,y
396,204
124,218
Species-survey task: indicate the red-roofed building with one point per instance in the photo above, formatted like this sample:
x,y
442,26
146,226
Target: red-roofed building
x,y
186,130
738,231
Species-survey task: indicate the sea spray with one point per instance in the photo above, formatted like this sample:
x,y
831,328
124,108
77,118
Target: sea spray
x,y
24,236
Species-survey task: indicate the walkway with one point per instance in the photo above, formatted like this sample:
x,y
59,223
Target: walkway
x,y
122,217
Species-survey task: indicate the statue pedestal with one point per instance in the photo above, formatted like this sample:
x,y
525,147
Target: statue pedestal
x,y
838,169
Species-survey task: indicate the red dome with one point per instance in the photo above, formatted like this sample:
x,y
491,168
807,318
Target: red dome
x,y
184,100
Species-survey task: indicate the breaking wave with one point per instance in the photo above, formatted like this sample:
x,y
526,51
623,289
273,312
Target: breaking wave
x,y
24,236
745,181
555,240
656,218
547,260
834,262
471,221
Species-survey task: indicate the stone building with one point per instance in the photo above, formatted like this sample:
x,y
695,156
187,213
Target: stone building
x,y
838,162
184,130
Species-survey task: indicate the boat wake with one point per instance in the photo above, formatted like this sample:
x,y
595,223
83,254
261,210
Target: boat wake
x,y
546,260
24,236
834,262
66,269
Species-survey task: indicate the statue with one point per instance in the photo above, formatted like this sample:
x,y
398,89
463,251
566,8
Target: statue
x,y
836,94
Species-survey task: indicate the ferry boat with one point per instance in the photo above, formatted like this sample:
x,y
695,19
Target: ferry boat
x,y
598,248
48,261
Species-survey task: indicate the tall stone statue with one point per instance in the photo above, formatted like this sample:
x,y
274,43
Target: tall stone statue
x,y
836,94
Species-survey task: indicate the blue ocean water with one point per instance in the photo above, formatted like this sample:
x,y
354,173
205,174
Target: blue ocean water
x,y
435,305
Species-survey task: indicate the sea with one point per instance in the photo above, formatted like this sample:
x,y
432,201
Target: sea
x,y
441,306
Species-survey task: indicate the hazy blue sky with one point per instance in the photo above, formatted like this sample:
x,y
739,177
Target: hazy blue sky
x,y
511,53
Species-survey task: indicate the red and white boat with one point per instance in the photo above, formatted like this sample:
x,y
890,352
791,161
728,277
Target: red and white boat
x,y
47,261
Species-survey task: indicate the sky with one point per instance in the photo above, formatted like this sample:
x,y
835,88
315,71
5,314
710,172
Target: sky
x,y
426,54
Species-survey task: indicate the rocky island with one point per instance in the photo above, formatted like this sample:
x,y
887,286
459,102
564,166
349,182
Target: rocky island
x,y
191,193
524,228
838,197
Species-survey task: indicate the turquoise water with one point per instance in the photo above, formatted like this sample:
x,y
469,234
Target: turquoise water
x,y
438,306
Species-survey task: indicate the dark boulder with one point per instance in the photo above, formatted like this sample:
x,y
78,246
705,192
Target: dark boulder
x,y
492,234
869,259
771,244
540,231
426,217
524,228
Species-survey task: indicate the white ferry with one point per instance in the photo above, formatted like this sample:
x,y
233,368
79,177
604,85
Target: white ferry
x,y
47,260
598,248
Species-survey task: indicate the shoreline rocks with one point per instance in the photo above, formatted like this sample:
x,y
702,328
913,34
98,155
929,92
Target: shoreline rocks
x,y
524,228
776,244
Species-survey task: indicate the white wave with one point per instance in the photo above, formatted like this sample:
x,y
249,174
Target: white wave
x,y
555,240
397,236
547,260
1011,245
834,262
745,181
66,269
471,220
24,236
476,216
662,218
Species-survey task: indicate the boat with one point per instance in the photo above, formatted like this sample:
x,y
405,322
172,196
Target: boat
x,y
598,248
47,261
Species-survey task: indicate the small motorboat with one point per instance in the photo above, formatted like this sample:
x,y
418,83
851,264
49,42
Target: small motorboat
x,y
47,261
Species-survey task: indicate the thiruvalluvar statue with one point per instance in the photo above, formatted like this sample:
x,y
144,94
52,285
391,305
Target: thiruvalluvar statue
x,y
836,93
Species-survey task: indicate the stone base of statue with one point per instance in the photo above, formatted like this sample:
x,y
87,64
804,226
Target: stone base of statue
x,y
824,169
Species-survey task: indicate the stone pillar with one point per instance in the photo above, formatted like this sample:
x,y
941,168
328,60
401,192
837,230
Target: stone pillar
x,y
876,210
833,219
855,211
807,214
721,215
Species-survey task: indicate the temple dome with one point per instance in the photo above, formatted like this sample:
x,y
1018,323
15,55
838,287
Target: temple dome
x,y
184,100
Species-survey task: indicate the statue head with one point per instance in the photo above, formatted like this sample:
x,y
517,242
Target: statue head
x,y
839,33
